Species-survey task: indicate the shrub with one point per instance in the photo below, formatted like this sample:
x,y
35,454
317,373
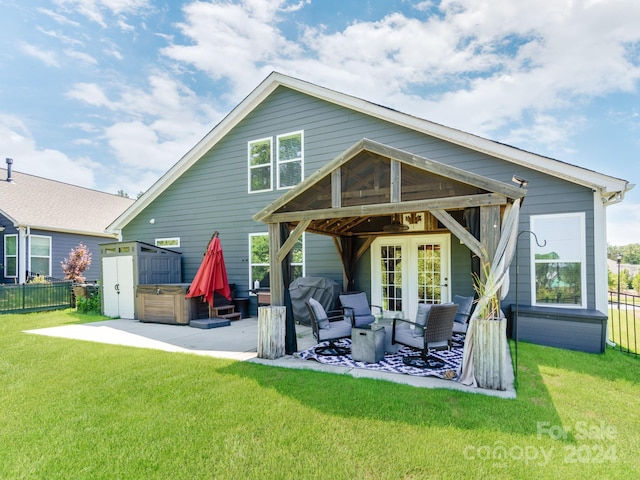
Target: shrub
x,y
78,261
90,304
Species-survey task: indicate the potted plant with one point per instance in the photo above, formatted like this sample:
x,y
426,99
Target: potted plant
x,y
490,333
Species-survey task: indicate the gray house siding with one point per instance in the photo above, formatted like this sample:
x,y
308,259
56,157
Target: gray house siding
x,y
212,194
61,245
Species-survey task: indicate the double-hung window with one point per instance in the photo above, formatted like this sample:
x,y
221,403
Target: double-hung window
x,y
559,273
290,158
40,255
259,259
289,162
260,165
10,256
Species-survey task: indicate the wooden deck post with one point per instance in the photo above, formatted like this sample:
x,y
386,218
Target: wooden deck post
x,y
271,332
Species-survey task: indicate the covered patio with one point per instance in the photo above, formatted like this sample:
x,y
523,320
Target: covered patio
x,y
236,342
373,190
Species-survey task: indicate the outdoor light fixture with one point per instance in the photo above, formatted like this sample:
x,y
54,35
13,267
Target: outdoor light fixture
x,y
520,181
396,225
152,221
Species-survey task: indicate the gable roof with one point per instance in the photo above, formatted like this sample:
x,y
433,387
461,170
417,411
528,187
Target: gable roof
x,y
40,203
361,184
610,187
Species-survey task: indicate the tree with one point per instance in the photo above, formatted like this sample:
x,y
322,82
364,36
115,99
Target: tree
x,y
122,193
636,283
630,253
78,261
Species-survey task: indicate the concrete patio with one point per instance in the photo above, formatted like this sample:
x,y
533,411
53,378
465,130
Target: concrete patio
x,y
237,341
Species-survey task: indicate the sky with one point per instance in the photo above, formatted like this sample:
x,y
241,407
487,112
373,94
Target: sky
x,y
109,94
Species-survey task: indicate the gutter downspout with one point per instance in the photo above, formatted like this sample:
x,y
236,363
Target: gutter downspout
x,y
23,232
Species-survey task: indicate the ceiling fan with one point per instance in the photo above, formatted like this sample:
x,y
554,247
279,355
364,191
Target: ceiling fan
x,y
396,225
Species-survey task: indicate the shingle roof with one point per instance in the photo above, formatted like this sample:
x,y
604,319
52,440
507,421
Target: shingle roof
x,y
50,205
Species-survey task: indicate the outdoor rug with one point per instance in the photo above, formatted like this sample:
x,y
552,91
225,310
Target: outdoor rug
x,y
392,362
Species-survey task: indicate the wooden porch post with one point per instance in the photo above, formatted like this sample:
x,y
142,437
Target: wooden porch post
x,y
272,319
275,266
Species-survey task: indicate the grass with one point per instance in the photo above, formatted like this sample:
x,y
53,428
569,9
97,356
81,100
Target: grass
x,y
624,328
78,410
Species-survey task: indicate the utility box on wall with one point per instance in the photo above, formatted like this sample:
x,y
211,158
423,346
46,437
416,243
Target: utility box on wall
x,y
128,264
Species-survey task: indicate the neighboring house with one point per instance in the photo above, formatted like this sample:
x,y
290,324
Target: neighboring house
x,y
633,269
406,200
42,220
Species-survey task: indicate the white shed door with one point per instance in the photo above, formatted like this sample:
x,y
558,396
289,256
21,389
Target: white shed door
x,y
118,288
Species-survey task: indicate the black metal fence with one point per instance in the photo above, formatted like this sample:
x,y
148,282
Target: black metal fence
x,y
624,322
34,297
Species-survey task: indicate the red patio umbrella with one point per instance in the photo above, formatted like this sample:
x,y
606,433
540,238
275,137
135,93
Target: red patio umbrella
x,y
212,274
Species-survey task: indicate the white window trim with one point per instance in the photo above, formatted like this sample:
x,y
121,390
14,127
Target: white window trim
x,y
266,234
294,160
31,237
251,264
303,264
175,240
264,165
5,256
581,256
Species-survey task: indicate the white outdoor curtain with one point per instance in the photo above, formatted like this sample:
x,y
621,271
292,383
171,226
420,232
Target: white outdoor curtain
x,y
498,281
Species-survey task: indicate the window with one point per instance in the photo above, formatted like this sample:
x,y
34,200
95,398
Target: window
x,y
559,275
168,242
40,255
289,162
260,160
259,259
290,155
11,256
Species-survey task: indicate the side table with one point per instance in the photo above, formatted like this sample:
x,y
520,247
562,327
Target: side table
x,y
367,344
387,324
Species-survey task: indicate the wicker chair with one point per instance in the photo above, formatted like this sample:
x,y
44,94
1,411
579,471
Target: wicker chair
x,y
433,329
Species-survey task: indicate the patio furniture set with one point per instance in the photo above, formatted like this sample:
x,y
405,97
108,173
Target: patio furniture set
x,y
374,335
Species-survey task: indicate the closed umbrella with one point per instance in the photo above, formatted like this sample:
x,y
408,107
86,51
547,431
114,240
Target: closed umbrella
x,y
212,274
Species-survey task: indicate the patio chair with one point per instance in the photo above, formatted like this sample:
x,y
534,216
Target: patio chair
x,y
358,308
432,329
328,327
465,308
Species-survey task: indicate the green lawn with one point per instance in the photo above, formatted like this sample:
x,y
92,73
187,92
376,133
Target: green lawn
x,y
80,410
624,328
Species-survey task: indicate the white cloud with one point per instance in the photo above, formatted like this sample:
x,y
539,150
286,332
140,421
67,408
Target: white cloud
x,y
47,57
156,125
81,56
17,143
91,94
479,67
95,10
623,224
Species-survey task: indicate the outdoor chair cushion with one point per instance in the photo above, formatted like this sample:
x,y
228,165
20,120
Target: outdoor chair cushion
x,y
337,329
421,319
320,314
359,305
464,308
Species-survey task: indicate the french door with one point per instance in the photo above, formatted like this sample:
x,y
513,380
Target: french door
x,y
408,270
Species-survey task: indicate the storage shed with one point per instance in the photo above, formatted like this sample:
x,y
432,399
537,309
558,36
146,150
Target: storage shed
x,y
128,264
